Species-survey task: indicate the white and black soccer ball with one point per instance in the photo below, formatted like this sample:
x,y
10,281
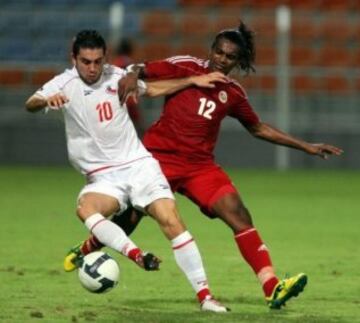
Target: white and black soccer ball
x,y
99,272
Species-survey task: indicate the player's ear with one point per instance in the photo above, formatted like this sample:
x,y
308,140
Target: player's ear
x,y
73,59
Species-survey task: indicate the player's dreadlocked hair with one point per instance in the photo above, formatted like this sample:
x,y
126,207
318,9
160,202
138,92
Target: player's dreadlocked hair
x,y
243,37
88,39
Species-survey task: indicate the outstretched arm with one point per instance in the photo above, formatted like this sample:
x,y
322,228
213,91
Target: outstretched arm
x,y
36,102
271,134
128,85
166,87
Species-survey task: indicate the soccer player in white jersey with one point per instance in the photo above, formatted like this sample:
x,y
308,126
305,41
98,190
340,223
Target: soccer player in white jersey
x,y
103,145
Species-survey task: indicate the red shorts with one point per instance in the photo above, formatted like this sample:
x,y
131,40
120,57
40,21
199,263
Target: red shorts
x,y
204,184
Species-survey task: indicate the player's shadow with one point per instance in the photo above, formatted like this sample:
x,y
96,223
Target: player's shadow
x,y
188,300
249,306
160,301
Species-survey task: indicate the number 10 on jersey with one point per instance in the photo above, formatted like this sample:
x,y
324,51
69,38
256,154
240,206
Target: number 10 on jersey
x,y
105,111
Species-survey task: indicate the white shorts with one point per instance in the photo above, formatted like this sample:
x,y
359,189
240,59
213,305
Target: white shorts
x,y
140,184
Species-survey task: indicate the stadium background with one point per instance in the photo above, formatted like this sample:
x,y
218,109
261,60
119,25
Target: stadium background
x,y
324,60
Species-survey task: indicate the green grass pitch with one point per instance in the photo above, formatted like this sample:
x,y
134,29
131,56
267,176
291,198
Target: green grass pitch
x,y
310,220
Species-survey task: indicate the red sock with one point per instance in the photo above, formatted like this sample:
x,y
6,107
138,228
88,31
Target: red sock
x,y
269,286
257,256
204,293
133,254
90,245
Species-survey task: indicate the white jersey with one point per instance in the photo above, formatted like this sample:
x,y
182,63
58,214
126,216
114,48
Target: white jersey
x,y
99,132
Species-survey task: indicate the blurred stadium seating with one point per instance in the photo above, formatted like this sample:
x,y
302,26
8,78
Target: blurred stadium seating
x,y
12,77
35,39
325,33
302,55
159,23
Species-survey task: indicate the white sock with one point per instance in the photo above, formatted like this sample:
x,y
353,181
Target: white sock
x,y
188,258
109,234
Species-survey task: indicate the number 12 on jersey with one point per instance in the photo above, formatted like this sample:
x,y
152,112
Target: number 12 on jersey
x,y
105,111
206,108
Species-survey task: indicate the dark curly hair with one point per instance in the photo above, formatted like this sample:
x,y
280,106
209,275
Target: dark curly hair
x,y
243,37
88,39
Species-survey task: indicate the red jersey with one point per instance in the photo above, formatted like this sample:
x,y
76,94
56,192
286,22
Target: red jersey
x,y
190,122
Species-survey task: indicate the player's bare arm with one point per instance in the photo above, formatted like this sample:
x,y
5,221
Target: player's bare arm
x,y
128,85
166,87
36,103
209,80
271,134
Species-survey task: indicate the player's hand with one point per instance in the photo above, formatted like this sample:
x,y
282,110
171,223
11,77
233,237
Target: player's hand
x,y
57,101
208,80
128,87
323,150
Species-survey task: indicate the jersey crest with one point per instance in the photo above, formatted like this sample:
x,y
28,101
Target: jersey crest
x,y
223,97
110,90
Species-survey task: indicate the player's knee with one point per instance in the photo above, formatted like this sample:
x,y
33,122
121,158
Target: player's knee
x,y
91,203
83,209
81,213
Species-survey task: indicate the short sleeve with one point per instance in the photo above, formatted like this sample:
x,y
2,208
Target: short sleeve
x,y
242,109
50,88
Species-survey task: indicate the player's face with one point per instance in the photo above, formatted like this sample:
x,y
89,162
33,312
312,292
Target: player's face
x,y
224,56
89,64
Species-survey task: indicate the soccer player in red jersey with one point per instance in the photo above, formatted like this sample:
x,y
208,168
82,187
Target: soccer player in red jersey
x,y
183,140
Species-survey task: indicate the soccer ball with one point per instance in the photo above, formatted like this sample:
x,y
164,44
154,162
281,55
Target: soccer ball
x,y
99,272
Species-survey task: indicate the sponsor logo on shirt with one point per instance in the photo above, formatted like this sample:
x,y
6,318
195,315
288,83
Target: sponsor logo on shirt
x,y
110,90
87,92
223,97
164,186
